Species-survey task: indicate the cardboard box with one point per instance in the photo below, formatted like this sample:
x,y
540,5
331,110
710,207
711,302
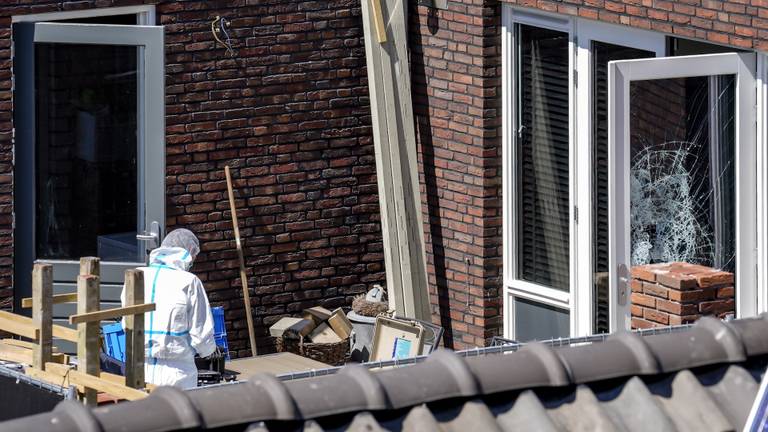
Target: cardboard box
x,y
318,314
292,327
396,339
324,334
340,323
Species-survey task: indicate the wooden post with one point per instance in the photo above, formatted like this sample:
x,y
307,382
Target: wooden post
x,y
90,266
42,314
243,276
394,142
134,330
88,333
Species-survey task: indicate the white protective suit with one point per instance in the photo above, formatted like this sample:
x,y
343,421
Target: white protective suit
x,y
181,324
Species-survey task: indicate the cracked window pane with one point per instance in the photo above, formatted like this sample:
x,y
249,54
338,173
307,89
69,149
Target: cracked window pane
x,y
682,184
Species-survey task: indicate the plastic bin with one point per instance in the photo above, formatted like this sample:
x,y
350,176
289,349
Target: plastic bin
x,y
114,336
114,340
220,329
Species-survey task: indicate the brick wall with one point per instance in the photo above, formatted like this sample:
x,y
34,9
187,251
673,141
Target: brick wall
x,y
679,293
740,23
456,88
290,114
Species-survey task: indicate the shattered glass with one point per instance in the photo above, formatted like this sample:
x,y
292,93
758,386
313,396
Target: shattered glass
x,y
682,180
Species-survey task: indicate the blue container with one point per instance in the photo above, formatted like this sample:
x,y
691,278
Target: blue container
x,y
114,335
114,340
220,329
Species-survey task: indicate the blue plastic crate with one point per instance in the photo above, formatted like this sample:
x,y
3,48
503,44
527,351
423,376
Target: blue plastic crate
x,y
114,340
220,329
114,336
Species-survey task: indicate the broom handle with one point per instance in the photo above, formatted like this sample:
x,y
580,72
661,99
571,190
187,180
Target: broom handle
x,y
243,277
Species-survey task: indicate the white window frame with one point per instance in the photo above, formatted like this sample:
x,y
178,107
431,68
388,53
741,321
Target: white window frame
x,y
621,74
514,287
579,301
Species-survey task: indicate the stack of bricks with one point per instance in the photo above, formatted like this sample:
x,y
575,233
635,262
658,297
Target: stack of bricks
x,y
679,293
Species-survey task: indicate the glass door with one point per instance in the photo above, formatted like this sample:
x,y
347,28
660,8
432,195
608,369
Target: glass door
x,y
90,149
681,148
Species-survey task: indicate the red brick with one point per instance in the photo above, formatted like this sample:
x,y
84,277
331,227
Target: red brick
x,y
643,300
715,279
638,323
637,310
716,306
676,280
655,290
643,273
676,308
656,316
726,292
691,296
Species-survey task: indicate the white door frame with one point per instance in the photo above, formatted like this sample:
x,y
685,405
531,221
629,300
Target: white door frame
x,y
620,76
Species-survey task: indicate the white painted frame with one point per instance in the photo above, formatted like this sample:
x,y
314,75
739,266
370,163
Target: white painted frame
x,y
580,299
588,32
620,76
762,182
513,287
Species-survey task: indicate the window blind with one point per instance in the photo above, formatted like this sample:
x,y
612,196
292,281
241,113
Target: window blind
x,y
542,157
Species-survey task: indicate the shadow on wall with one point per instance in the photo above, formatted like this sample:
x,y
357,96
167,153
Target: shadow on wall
x,y
424,136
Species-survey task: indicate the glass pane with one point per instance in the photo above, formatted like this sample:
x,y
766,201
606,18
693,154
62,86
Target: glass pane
x,y
86,147
602,53
682,178
536,321
542,157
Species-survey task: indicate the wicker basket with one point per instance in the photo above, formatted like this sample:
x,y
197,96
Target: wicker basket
x,y
334,354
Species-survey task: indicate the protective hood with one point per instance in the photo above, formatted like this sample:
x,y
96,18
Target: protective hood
x,y
173,257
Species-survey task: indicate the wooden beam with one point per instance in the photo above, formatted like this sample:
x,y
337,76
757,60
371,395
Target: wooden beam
x,y
111,313
23,344
378,21
25,355
65,333
394,138
57,299
23,326
42,313
88,332
18,325
134,330
61,380
98,383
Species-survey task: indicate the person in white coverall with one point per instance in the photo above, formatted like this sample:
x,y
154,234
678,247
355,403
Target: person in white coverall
x,y
181,324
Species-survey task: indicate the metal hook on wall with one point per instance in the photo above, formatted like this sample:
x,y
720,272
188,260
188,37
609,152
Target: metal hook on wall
x,y
219,27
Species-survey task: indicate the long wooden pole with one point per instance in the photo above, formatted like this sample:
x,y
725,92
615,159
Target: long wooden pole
x,y
243,277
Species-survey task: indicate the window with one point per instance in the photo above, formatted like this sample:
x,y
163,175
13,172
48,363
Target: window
x,y
562,177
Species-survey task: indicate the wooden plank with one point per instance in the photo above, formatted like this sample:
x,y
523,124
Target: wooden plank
x,y
61,380
394,139
57,299
101,315
18,325
134,330
97,383
23,326
278,363
42,313
88,332
23,344
243,276
378,21
25,355
65,333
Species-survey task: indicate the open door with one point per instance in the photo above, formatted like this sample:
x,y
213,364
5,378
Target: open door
x,y
682,170
90,151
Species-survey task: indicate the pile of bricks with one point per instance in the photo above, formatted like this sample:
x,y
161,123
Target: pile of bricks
x,y
678,293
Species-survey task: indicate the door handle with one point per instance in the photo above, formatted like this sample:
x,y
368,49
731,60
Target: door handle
x,y
152,237
622,276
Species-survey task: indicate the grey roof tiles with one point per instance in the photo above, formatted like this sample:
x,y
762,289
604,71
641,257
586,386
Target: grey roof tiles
x,y
704,378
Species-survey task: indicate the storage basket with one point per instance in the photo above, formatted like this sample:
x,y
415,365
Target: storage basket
x,y
334,354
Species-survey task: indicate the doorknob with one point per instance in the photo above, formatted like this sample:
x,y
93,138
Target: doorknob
x,y
152,237
622,274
